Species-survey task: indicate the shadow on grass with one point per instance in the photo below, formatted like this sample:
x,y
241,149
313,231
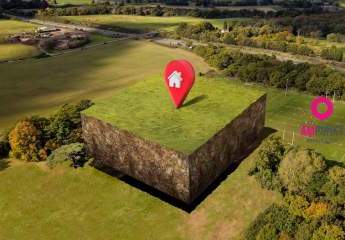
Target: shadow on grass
x,y
333,163
4,163
195,100
176,202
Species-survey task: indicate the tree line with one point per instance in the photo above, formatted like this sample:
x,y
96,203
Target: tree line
x,y
313,193
260,34
106,8
267,70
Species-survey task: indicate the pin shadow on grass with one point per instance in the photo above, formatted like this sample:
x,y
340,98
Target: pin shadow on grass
x,y
195,100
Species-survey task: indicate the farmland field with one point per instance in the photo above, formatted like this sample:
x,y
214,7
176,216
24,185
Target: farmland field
x,y
143,23
89,74
64,203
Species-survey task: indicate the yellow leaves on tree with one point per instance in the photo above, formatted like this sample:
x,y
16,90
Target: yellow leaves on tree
x,y
25,142
316,210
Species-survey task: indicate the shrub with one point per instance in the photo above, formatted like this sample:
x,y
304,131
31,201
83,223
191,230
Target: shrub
x,y
277,218
331,232
335,187
305,230
298,167
74,152
26,142
65,124
4,145
266,166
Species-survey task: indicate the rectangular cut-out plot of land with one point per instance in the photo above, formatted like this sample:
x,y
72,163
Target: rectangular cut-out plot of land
x,y
177,151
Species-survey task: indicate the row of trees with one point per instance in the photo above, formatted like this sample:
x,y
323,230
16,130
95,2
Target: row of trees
x,y
34,139
106,8
267,70
260,34
313,194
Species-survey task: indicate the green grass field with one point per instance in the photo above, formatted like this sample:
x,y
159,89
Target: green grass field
x,y
143,23
64,203
38,86
17,51
8,27
146,110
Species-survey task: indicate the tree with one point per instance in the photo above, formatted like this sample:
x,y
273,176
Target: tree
x,y
331,232
297,168
26,142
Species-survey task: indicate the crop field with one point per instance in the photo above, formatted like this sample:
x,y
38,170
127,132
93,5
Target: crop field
x,y
143,23
41,85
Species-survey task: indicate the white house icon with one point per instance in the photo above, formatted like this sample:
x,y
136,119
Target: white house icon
x,y
175,79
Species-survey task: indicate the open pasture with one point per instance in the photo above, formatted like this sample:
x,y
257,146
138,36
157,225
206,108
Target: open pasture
x,y
142,23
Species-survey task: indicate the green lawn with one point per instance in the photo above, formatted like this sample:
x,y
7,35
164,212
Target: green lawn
x,y
143,23
8,27
39,86
64,203
146,110
17,51
287,113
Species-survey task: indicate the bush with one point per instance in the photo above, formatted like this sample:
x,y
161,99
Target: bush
x,y
277,218
65,125
266,167
74,152
331,232
26,142
4,145
298,167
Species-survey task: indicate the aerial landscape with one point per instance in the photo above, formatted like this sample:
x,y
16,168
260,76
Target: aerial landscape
x,y
172,119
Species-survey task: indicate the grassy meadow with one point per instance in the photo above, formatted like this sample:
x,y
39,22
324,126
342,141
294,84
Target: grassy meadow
x,y
38,86
66,203
9,27
15,51
143,23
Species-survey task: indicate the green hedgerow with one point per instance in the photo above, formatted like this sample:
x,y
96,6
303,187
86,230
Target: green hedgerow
x,y
74,153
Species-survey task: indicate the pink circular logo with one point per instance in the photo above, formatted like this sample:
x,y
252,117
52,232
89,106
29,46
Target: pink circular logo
x,y
314,108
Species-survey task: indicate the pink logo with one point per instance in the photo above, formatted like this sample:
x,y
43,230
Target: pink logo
x,y
308,130
314,108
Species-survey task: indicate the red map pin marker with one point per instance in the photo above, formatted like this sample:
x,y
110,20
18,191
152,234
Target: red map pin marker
x,y
179,78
